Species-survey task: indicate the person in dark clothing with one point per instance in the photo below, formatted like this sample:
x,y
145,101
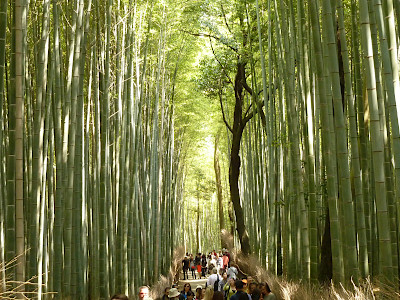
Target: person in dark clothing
x,y
185,268
240,293
203,266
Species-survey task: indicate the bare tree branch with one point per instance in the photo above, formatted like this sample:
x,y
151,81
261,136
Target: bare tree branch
x,y
226,21
210,36
254,111
223,68
247,88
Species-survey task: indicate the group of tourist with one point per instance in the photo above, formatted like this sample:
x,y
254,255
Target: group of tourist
x,y
226,289
222,284
229,285
202,264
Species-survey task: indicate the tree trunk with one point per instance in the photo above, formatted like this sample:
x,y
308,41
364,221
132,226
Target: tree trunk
x,y
234,166
218,182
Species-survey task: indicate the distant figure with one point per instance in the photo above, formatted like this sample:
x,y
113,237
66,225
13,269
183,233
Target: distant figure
x,y
232,273
266,293
166,292
144,292
174,294
119,297
225,260
185,268
203,265
219,262
192,266
197,263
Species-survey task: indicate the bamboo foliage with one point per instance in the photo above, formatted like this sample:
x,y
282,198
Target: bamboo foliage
x,y
332,125
89,130
97,166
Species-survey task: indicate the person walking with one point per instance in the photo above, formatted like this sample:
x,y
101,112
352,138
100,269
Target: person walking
x,y
203,265
192,267
197,263
185,268
225,261
213,278
229,289
222,282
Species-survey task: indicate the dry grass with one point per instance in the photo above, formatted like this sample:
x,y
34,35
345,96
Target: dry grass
x,y
297,290
157,289
10,289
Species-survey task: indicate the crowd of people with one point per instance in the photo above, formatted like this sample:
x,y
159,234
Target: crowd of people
x,y
223,282
202,264
221,287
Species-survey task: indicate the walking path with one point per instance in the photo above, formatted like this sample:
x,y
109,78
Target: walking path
x,y
193,282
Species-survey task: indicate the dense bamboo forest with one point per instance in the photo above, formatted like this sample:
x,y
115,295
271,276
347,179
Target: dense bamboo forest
x,y
129,128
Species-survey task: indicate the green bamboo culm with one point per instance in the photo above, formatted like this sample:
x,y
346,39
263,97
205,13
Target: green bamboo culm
x,y
3,22
351,263
385,252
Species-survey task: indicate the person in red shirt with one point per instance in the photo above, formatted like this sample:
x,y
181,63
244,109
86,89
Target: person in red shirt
x,y
225,261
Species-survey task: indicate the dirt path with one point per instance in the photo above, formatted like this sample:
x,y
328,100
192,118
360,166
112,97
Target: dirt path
x,y
193,282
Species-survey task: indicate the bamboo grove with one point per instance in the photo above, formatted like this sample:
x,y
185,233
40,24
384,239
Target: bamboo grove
x,y
94,149
89,177
319,181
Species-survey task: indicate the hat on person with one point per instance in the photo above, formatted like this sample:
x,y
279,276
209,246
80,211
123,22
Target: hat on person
x,y
199,287
244,280
173,293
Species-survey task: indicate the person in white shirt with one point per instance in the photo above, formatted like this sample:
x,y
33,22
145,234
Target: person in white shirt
x,y
213,278
220,263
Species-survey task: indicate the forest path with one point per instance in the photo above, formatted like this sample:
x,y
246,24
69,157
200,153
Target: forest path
x,y
193,282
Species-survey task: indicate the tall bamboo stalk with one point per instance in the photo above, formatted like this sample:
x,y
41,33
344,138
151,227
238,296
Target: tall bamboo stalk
x,y
385,252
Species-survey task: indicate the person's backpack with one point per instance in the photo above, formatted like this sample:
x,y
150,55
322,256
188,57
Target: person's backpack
x,y
216,283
